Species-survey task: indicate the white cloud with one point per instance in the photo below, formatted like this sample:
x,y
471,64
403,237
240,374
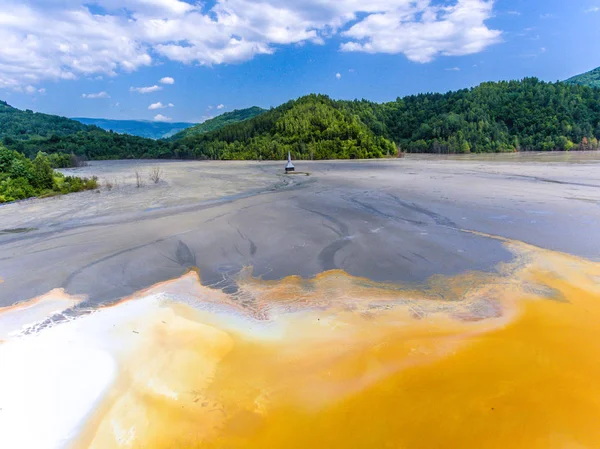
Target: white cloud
x,y
162,118
453,69
30,89
221,106
96,96
423,31
159,105
167,80
593,9
64,39
338,76
145,90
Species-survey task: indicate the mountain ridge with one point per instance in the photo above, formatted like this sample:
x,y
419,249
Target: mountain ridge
x,y
227,118
590,79
141,128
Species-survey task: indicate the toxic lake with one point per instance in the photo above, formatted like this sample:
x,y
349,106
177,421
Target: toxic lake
x,y
420,302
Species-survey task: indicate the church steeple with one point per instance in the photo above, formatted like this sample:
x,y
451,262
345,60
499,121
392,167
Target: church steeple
x,y
289,167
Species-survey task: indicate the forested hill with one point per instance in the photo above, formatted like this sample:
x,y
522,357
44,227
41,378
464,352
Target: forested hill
x,y
29,132
590,79
141,128
312,127
24,125
506,116
228,118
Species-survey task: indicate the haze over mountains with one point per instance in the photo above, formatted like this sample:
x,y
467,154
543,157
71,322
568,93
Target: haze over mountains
x,y
170,130
142,128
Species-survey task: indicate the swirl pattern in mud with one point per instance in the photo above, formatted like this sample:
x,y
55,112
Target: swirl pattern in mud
x,y
495,360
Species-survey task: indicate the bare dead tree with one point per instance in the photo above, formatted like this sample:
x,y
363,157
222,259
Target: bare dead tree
x,y
139,181
156,175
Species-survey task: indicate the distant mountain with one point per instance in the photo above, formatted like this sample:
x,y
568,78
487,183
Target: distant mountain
x,y
141,128
239,115
591,78
29,132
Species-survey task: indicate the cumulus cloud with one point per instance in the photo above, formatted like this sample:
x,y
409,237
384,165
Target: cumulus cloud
x,y
65,39
167,80
96,96
145,90
423,31
159,105
221,106
162,118
338,76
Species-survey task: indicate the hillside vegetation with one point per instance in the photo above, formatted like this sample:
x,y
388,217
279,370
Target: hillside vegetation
x,y
140,128
25,125
312,127
228,118
525,115
590,79
30,132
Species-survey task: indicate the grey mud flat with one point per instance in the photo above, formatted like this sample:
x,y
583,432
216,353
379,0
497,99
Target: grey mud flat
x,y
388,220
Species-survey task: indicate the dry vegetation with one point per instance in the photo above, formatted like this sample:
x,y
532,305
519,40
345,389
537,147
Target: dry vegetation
x,y
155,175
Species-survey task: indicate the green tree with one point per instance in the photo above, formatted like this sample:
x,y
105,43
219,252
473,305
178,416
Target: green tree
x,y
43,173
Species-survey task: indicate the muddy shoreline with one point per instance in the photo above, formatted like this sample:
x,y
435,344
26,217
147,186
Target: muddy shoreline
x,y
386,220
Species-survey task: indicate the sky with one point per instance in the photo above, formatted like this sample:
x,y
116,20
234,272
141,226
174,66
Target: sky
x,y
176,60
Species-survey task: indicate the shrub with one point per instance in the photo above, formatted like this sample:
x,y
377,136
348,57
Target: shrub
x,y
13,189
22,178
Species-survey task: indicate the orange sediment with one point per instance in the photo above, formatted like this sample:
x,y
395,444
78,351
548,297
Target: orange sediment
x,y
481,360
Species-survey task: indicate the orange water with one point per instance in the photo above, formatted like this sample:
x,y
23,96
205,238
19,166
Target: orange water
x,y
506,360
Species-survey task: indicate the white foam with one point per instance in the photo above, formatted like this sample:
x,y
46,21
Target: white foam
x,y
49,384
51,381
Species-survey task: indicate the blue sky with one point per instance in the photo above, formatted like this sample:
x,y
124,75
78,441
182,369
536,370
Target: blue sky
x,y
91,58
